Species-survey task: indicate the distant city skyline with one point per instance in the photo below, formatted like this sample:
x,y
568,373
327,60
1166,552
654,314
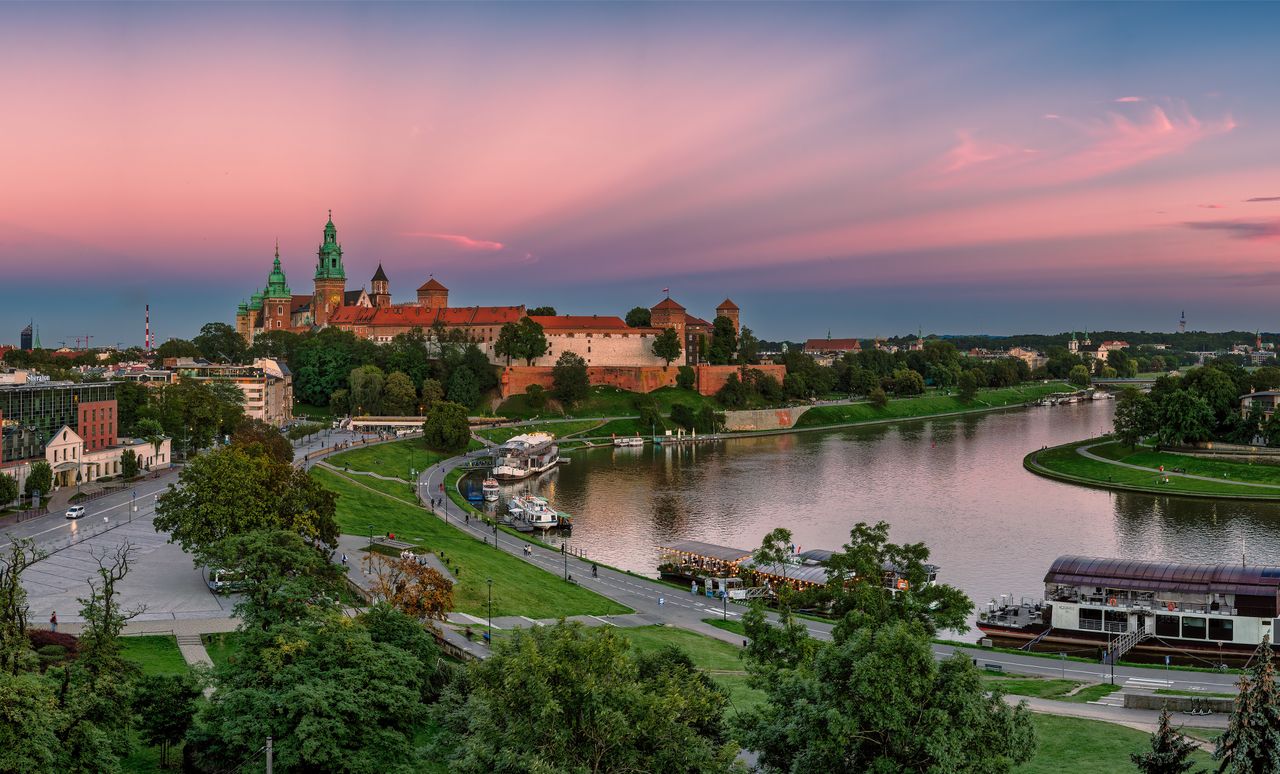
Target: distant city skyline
x,y
868,169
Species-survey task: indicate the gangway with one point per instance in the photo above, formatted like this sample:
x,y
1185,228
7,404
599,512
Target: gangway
x,y
754,592
1123,644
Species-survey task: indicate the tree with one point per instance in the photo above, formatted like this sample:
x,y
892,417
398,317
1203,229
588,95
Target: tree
x,y
176,348
151,431
1183,417
340,403
536,397
432,393
508,342
413,587
8,489
268,440
220,343
639,317
666,345
165,706
775,549
128,464
748,347
446,428
686,377
1079,376
794,386
569,379
1135,417
1170,751
1251,742
591,702
542,311
40,479
131,397
733,394
531,342
399,398
682,415
708,421
724,341
367,384
284,575
231,492
876,700
907,382
463,388
407,353
967,385
276,344
878,398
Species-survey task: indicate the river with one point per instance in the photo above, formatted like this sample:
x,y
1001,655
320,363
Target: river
x,y
956,484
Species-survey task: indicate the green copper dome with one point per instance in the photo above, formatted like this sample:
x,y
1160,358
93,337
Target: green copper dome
x,y
277,287
329,256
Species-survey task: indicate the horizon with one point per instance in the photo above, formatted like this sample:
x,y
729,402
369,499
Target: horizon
x,y
862,169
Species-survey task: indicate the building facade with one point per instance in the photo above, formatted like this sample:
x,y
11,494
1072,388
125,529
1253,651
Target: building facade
x,y
600,341
267,385
692,331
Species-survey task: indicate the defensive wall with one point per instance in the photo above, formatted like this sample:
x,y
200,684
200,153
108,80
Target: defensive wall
x,y
515,380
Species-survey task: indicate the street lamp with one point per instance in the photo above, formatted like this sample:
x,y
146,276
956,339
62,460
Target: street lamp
x,y
489,634
371,538
566,560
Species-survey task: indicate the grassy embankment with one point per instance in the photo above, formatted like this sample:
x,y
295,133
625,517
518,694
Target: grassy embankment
x,y
928,405
1066,464
394,459
604,401
518,587
555,429
156,654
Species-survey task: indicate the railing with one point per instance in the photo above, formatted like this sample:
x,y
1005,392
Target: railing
x,y
1115,627
1124,644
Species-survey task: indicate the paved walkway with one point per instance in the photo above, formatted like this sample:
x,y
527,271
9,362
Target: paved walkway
x,y
1084,452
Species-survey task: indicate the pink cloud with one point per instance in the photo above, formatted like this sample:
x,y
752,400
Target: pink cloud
x,y
1090,147
1128,99
465,242
1252,230
1209,206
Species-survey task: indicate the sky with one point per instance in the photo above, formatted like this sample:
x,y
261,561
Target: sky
x,y
863,169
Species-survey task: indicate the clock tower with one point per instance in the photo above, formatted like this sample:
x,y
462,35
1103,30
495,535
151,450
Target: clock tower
x,y
331,278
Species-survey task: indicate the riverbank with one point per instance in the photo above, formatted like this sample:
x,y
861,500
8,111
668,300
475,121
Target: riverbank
x,y
927,406
1104,463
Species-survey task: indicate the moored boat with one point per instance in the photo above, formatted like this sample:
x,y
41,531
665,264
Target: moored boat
x,y
490,489
524,456
628,440
1143,610
534,511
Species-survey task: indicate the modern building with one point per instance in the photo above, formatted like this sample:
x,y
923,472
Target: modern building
x,y
1265,400
72,426
24,337
599,340
267,385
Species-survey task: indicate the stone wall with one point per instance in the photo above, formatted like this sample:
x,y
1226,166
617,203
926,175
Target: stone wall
x,y
1155,701
612,348
763,419
515,380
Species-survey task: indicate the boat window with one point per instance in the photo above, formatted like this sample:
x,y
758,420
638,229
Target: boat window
x,y
1167,626
1193,628
1221,629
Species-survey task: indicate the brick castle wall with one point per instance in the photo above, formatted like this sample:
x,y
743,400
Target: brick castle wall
x,y
515,380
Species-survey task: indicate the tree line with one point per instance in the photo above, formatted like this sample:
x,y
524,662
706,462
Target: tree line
x,y
1202,404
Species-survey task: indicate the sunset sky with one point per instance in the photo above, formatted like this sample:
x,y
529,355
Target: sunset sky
x,y
865,169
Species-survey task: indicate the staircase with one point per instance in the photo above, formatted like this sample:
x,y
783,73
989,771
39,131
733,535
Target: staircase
x,y
1125,642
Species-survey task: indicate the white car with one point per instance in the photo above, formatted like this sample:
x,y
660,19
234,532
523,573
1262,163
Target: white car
x,y
75,512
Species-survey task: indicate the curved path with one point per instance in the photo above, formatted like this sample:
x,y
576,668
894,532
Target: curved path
x,y
1084,452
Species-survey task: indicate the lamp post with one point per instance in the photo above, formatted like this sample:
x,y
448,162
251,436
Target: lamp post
x,y
133,499
489,633
724,603
563,550
370,538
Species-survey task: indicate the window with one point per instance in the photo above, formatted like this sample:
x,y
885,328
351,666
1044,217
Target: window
x,y
1193,628
1221,629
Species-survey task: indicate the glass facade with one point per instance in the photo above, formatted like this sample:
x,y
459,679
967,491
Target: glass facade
x,y
31,413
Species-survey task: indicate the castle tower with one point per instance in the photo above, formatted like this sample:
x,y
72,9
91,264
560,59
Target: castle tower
x,y
668,314
277,300
1073,346
433,295
729,309
331,278
380,289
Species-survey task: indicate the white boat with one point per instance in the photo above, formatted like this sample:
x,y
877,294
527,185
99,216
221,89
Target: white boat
x,y
534,511
629,440
490,489
524,456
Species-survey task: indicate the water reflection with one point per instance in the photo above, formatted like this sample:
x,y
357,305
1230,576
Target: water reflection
x,y
957,484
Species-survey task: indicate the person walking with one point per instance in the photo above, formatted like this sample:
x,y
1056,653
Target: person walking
x,y
53,621
344,560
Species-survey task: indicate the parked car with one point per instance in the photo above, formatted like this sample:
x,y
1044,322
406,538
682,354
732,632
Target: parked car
x,y
75,512
225,581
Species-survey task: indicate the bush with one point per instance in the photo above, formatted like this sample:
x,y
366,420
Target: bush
x,y
683,415
536,397
685,377
878,398
41,638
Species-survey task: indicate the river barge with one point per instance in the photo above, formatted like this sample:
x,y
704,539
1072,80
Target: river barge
x,y
524,456
1160,612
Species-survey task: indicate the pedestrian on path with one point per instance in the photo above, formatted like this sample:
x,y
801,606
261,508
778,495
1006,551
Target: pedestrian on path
x,y
53,621
661,601
344,560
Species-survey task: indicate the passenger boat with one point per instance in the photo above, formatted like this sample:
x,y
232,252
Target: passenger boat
x,y
535,511
1189,613
490,489
524,456
628,440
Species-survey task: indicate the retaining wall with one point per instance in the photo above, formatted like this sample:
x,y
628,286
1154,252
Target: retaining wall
x,y
763,419
1156,701
515,380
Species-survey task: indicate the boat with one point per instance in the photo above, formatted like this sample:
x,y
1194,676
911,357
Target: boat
x,y
628,440
534,511
1142,610
524,456
490,489
564,520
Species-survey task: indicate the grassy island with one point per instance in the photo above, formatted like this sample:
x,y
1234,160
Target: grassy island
x,y
929,405
1109,464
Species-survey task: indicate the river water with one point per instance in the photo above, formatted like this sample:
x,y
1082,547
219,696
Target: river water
x,y
956,484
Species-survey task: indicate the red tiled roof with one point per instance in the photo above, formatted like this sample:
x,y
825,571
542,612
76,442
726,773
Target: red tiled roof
x,y
691,320
668,303
832,345
298,302
726,304
432,284
421,316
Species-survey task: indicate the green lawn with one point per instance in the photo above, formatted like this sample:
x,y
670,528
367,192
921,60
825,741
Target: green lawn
x,y
1065,461
622,427
1044,688
157,654
519,588
926,405
1091,693
311,411
390,459
720,658
556,429
220,646
1076,745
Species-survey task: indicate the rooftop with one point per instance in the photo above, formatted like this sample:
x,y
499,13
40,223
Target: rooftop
x,y
423,317
1259,580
